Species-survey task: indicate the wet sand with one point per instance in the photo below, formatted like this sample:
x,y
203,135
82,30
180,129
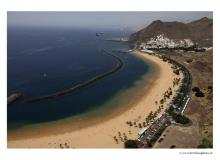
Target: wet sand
x,y
99,132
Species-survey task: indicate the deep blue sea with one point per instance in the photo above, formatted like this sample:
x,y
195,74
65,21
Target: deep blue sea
x,y
42,61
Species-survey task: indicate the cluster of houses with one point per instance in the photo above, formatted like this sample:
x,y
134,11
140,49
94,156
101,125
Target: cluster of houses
x,y
160,42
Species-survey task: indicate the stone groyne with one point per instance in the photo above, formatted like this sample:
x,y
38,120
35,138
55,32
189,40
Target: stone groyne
x,y
13,97
84,84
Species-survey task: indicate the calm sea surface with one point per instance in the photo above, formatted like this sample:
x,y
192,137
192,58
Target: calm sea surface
x,y
43,61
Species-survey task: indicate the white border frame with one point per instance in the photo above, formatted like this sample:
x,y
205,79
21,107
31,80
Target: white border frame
x,y
103,5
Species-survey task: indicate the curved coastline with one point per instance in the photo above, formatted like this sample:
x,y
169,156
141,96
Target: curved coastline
x,y
90,119
134,107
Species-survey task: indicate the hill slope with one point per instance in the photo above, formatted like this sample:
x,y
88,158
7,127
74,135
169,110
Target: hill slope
x,y
200,31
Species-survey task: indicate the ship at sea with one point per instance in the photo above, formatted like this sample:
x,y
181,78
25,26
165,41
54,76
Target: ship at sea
x,y
99,34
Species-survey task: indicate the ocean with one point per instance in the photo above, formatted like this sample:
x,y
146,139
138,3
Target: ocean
x,y
42,61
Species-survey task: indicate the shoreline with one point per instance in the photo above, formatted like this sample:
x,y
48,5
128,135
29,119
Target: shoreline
x,y
103,128
91,118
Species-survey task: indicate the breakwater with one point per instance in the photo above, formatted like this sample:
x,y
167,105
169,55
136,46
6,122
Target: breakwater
x,y
84,84
13,97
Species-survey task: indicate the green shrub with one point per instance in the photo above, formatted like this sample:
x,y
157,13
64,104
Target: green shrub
x,y
180,118
210,88
130,144
206,144
196,89
199,94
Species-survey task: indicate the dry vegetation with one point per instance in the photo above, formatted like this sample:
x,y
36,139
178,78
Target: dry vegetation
x,y
199,109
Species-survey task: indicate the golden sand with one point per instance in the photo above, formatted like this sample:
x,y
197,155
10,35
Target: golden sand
x,y
100,132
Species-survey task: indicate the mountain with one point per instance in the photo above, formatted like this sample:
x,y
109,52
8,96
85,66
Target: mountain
x,y
199,31
202,31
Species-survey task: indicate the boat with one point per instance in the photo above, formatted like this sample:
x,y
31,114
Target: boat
x,y
99,34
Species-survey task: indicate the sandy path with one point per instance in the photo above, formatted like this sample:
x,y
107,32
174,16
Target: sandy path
x,y
101,135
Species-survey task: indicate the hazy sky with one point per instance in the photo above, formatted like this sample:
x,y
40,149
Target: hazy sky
x,y
135,20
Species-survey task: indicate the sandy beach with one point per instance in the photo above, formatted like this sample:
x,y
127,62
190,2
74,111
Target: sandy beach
x,y
102,132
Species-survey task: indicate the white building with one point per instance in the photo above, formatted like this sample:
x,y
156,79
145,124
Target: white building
x,y
160,41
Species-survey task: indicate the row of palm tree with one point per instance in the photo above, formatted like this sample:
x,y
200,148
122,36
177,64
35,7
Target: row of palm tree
x,y
122,137
176,81
151,116
65,145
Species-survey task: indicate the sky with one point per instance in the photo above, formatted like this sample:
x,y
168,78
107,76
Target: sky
x,y
99,19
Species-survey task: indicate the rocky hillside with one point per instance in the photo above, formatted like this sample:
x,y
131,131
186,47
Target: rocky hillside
x,y
199,31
